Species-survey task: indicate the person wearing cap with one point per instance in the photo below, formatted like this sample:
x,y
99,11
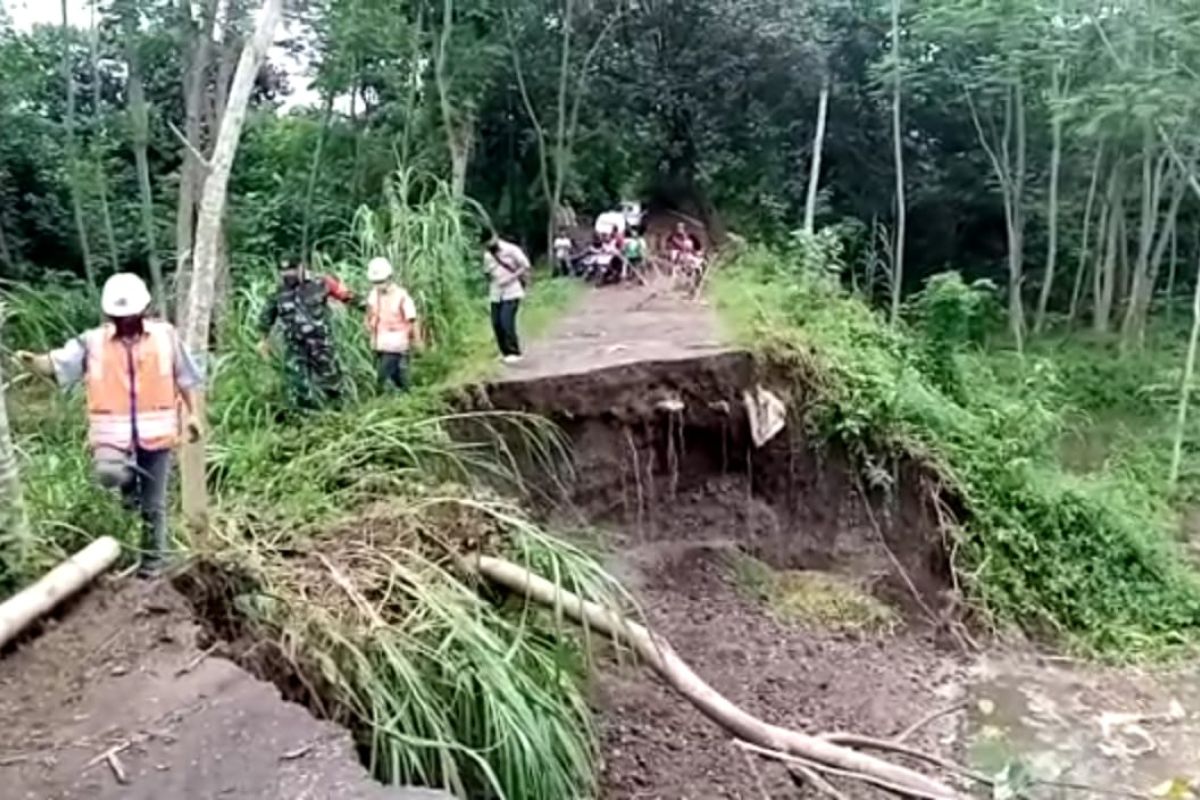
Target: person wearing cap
x,y
300,306
137,374
391,323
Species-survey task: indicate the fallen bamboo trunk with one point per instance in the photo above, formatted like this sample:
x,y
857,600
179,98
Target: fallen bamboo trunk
x,y
18,611
663,659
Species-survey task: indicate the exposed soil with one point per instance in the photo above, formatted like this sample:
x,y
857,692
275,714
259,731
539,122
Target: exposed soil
x,y
123,672
666,469
657,746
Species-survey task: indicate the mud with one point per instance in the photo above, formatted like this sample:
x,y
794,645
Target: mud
x,y
657,746
122,698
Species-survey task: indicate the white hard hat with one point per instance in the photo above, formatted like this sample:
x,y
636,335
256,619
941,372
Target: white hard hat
x,y
124,295
379,270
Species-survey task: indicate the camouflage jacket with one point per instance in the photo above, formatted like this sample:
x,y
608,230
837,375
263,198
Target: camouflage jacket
x,y
302,311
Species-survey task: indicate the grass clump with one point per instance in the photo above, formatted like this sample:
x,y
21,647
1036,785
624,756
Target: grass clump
x,y
1086,557
820,599
443,684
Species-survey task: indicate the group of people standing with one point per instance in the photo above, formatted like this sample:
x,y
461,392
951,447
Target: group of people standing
x,y
618,252
139,377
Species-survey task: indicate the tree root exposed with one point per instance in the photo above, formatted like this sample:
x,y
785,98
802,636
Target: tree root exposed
x,y
815,752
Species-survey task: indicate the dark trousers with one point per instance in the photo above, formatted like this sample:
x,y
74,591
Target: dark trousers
x,y
142,480
393,370
504,324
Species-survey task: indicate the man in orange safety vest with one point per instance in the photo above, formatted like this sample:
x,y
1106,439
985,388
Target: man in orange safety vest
x,y
391,323
137,375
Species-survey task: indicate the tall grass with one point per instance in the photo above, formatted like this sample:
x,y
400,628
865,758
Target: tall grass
x,y
1087,558
337,534
443,686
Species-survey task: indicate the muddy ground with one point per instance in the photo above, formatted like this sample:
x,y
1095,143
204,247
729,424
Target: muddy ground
x,y
120,697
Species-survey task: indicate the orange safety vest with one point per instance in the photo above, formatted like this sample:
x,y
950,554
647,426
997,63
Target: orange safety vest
x,y
389,327
132,387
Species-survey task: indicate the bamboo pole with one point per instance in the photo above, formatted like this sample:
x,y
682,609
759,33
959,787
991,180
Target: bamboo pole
x,y
662,658
18,611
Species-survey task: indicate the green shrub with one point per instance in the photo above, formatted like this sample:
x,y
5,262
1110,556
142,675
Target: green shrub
x,y
1087,557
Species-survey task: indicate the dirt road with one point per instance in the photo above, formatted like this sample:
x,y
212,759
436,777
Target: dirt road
x,y
117,699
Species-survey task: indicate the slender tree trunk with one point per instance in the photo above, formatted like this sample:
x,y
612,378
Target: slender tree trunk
x,y
539,131
85,249
191,174
1145,299
14,522
459,133
561,145
140,126
313,174
1089,204
1141,285
1106,278
208,231
1056,135
6,257
1016,255
1172,266
98,148
814,173
1185,389
898,154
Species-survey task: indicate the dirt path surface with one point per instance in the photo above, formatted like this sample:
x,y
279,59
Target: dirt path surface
x,y
621,325
121,674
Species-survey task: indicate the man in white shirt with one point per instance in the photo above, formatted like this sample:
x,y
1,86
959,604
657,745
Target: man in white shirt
x,y
507,267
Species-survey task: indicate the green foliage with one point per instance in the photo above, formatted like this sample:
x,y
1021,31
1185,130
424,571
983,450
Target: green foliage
x,y
1087,557
951,315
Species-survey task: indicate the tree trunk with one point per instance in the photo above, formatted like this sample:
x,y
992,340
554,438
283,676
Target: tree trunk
x,y
98,148
6,258
1185,389
460,134
1172,267
898,154
1088,206
1142,301
1106,278
313,173
191,173
14,522
207,250
1056,135
1016,254
561,145
140,127
814,173
31,603
1141,285
85,249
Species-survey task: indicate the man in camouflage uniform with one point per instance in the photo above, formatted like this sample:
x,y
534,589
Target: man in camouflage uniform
x,y
301,307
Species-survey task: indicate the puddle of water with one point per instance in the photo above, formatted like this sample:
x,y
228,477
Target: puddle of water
x,y
1114,729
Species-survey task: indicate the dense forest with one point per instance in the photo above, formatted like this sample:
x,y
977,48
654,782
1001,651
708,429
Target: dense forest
x,y
1041,145
965,232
